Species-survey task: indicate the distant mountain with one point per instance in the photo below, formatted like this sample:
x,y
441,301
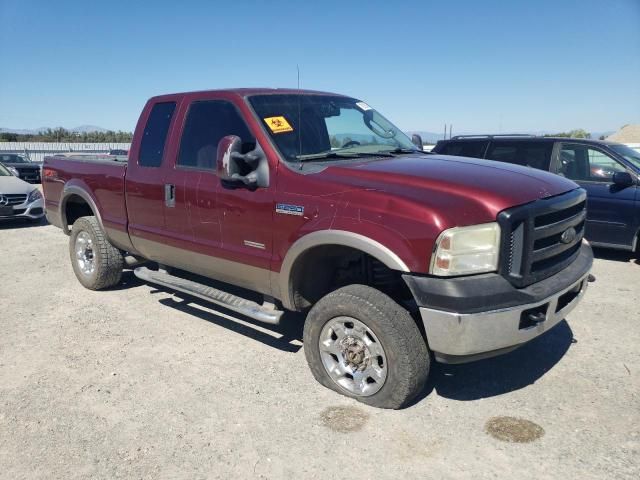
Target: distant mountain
x,y
430,137
20,131
88,129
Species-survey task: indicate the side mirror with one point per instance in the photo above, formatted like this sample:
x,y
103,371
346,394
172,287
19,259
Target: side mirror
x,y
235,168
623,179
417,140
226,164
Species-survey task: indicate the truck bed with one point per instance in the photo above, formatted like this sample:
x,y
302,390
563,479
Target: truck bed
x,y
101,175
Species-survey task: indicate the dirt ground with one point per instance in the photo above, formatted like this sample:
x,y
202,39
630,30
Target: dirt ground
x,y
136,383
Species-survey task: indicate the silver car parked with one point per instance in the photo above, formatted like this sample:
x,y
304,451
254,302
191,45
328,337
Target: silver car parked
x,y
19,199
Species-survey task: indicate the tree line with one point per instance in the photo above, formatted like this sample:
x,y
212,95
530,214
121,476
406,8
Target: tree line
x,y
578,133
68,136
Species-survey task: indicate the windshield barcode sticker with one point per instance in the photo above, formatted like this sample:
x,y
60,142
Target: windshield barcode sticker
x,y
363,106
287,209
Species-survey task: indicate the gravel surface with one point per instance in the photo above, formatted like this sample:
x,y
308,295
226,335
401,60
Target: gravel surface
x,y
136,383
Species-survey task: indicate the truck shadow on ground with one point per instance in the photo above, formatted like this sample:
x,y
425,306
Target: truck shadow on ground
x,y
503,374
616,255
286,336
464,382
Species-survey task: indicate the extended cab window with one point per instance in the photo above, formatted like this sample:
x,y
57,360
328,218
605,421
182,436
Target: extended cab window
x,y
529,154
207,123
582,163
464,149
155,134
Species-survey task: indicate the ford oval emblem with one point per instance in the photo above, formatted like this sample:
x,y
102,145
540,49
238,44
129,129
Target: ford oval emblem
x,y
568,236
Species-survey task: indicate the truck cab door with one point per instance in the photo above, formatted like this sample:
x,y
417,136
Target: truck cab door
x,y
145,191
220,231
612,216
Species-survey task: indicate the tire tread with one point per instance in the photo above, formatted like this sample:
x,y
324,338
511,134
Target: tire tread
x,y
110,261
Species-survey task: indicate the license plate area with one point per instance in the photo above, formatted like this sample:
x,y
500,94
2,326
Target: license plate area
x,y
6,211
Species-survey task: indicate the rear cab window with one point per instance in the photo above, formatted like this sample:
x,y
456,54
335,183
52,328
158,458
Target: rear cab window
x,y
528,154
474,149
155,132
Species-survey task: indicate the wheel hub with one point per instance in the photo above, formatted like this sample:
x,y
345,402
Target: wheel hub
x,y
355,353
84,253
353,356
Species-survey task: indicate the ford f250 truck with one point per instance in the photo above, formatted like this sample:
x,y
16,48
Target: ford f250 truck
x,y
266,200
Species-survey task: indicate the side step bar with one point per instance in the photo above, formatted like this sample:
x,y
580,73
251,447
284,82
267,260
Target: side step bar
x,y
263,313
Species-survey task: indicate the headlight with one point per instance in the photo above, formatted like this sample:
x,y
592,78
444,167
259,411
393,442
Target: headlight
x,y
464,250
34,195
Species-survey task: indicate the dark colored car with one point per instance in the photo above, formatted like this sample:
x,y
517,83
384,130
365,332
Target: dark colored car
x,y
608,171
314,202
27,170
118,152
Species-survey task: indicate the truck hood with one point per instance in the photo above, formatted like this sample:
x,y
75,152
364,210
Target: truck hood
x,y
456,187
13,185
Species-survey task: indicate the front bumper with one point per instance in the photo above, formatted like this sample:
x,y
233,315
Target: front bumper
x,y
31,211
509,316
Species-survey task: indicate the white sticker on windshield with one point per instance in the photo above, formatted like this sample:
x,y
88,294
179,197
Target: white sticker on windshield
x,y
363,106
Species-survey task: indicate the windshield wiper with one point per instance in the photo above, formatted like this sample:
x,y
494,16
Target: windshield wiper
x,y
334,154
399,150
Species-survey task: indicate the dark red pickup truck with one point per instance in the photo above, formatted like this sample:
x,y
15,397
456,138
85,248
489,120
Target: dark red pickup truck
x,y
265,200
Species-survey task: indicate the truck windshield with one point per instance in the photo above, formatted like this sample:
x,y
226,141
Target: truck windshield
x,y
631,155
4,172
318,127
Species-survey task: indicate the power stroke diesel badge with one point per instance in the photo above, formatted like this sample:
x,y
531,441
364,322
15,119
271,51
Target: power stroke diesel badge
x,y
287,209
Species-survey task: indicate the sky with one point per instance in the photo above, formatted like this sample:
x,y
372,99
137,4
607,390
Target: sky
x,y
483,66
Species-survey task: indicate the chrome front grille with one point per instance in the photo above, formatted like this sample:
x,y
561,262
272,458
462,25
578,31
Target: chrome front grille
x,y
541,238
12,198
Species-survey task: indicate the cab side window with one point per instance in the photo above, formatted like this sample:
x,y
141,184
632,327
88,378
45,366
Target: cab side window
x,y
582,163
528,154
206,124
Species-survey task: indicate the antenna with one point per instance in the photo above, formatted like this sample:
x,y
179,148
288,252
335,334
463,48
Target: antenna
x,y
299,115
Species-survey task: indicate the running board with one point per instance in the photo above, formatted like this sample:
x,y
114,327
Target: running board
x,y
263,313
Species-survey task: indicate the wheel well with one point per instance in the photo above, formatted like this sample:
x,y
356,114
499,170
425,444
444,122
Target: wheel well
x,y
76,207
323,269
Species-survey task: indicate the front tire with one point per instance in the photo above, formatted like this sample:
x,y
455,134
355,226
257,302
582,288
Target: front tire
x,y
96,263
362,344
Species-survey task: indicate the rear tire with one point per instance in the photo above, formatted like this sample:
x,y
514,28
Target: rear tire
x,y
362,344
96,263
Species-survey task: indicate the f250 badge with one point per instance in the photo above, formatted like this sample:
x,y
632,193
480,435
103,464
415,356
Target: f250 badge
x,y
287,209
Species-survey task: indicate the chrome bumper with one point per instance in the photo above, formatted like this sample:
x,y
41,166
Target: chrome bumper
x,y
458,338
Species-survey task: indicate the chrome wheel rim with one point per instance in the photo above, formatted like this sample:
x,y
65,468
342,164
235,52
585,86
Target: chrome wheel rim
x,y
84,253
353,356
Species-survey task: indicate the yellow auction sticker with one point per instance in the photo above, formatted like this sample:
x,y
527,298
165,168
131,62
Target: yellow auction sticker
x,y
278,124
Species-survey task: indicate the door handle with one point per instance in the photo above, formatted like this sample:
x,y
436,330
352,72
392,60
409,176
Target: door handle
x,y
169,195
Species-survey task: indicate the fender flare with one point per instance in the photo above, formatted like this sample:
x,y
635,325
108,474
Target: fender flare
x,y
333,237
82,193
